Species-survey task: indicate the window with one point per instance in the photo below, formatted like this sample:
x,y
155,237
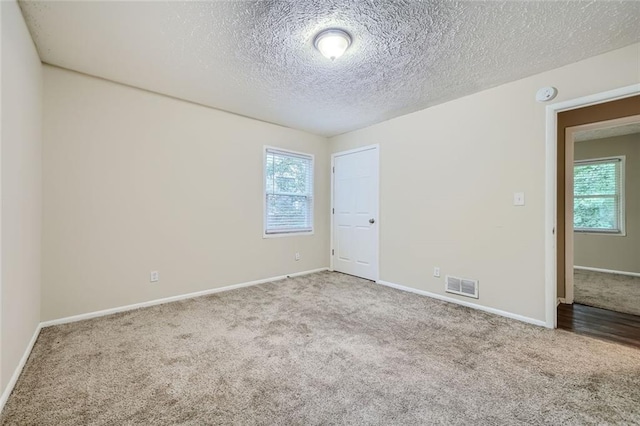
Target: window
x,y
598,191
288,192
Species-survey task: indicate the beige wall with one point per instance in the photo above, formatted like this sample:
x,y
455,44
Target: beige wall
x,y
619,253
135,181
21,212
448,174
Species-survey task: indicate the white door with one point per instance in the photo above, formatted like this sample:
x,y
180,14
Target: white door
x,y
355,212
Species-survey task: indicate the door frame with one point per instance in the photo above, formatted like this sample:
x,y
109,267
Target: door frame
x,y
551,185
375,147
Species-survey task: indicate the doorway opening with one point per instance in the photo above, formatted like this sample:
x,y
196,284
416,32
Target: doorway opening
x,y
598,235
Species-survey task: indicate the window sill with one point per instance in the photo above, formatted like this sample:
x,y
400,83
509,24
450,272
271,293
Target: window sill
x,y
287,234
608,233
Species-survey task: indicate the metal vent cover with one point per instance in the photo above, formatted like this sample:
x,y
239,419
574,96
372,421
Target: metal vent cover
x,y
461,286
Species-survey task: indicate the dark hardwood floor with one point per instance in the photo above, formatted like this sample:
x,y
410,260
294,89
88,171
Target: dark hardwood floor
x,y
600,323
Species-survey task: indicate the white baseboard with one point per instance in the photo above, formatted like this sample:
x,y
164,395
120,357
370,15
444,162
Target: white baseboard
x,y
125,308
607,271
465,303
16,374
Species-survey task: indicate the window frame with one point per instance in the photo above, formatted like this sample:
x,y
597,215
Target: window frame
x,y
264,193
621,231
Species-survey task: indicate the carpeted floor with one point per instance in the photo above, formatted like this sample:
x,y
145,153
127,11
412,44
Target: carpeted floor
x,y
620,293
325,348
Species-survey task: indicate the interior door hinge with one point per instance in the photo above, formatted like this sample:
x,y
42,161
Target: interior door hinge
x,y
334,169
332,252
333,211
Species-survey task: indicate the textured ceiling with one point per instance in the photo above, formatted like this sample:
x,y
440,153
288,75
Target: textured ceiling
x,y
256,58
607,132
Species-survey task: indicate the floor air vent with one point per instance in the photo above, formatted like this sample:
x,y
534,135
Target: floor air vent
x,y
462,286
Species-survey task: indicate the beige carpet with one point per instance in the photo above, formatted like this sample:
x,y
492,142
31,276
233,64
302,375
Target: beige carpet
x,y
615,292
321,349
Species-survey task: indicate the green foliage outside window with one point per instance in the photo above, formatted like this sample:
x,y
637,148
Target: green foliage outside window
x,y
289,191
597,196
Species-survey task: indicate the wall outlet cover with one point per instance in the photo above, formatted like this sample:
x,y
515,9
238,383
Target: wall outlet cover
x,y
518,198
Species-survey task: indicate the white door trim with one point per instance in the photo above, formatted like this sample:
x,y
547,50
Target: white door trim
x,y
375,147
551,207
569,149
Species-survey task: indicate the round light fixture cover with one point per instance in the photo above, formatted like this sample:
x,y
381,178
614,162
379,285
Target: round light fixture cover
x,y
332,43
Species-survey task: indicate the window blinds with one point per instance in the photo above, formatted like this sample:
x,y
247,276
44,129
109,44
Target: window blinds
x,y
597,195
288,192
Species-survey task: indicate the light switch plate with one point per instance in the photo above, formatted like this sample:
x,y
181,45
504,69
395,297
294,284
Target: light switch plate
x,y
518,198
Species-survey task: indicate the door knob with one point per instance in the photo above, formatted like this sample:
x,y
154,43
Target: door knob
x,y
372,220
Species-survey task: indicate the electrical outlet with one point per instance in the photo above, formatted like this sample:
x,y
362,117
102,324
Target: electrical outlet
x,y
436,272
297,256
155,276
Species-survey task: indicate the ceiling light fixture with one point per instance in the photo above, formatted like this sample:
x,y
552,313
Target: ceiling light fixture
x,y
332,43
